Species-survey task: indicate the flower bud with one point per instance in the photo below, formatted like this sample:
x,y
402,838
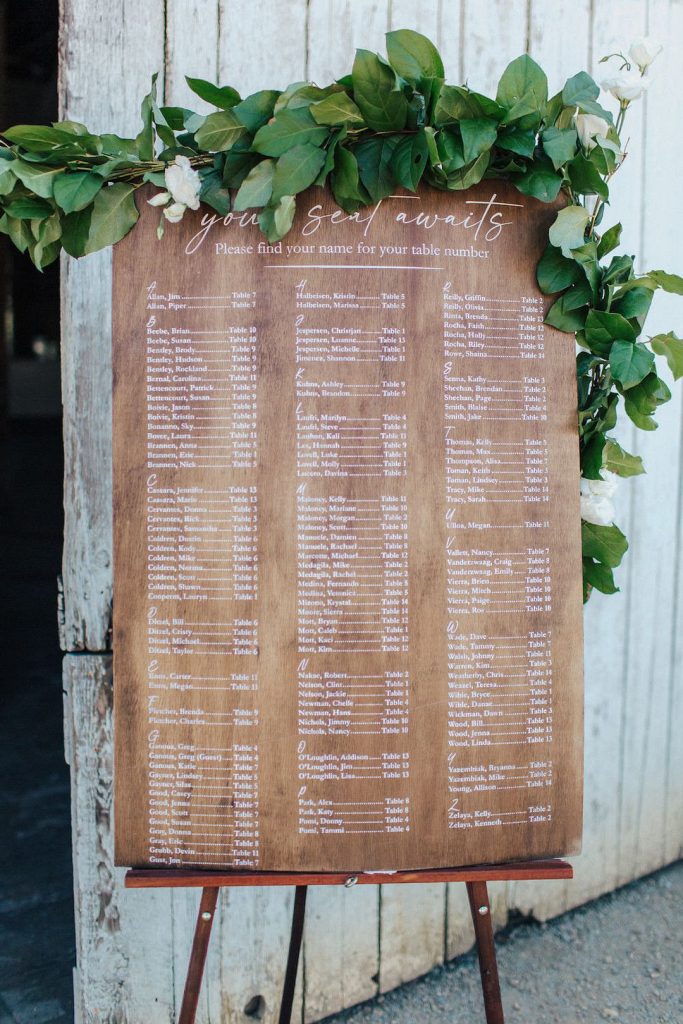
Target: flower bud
x,y
644,50
588,126
626,85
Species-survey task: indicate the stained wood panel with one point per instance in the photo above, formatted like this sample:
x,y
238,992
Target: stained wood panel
x,y
347,582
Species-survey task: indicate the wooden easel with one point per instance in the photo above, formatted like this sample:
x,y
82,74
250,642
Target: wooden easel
x,y
475,878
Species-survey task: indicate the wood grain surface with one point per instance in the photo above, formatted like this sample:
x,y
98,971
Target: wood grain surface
x,y
373,662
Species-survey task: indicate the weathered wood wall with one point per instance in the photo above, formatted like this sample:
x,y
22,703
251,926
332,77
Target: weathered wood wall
x,y
132,947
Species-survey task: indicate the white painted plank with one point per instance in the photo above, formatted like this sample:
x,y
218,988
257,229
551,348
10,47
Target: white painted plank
x,y
262,45
559,38
124,969
494,32
336,28
341,948
105,68
192,42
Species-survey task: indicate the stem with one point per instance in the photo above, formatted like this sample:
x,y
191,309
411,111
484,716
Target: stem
x,y
601,202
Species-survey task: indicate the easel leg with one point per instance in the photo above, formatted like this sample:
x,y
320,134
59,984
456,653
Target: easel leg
x,y
481,918
200,945
293,955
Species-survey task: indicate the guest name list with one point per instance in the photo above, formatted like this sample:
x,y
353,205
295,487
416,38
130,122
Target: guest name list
x,y
347,612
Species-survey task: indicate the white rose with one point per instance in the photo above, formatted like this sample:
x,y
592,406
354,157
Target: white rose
x,y
183,182
160,199
174,212
596,499
626,85
644,50
588,126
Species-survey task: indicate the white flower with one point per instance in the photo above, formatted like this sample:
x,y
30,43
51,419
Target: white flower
x,y
183,182
644,50
588,126
626,85
174,212
160,199
596,499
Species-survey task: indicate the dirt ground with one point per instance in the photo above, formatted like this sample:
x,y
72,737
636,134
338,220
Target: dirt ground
x,y
619,959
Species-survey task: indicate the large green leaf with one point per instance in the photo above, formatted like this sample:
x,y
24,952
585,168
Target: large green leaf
x,y
617,460
600,576
603,328
413,56
346,185
523,89
40,180
257,109
374,164
215,193
28,208
555,272
288,129
667,282
384,108
219,132
74,191
338,108
223,96
585,178
113,215
410,159
75,231
671,347
296,170
540,180
257,187
568,229
605,544
275,221
478,135
630,362
579,89
469,175
610,240
560,145
38,138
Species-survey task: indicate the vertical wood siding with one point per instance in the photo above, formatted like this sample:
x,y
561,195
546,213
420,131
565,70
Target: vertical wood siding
x,y
133,947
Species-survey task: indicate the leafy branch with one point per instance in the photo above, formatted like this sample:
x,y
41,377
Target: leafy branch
x,y
390,122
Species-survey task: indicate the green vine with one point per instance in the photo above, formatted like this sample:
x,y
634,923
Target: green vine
x,y
390,122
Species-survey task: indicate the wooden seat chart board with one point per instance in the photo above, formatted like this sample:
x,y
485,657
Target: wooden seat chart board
x,y
347,606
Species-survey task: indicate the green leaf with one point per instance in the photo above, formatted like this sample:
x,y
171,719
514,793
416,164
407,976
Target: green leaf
x,y
600,576
621,462
296,170
145,139
413,56
579,89
469,175
219,132
410,158
635,304
238,162
565,315
223,96
75,190
560,145
374,165
19,231
214,192
605,544
346,185
28,208
38,138
671,347
667,282
288,129
523,89
585,178
604,328
338,108
478,135
457,102
591,458
630,362
554,272
541,181
276,221
567,231
113,215
257,109
75,231
517,140
384,108
40,180
257,187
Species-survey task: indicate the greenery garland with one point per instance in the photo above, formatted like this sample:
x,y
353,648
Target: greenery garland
x,y
390,123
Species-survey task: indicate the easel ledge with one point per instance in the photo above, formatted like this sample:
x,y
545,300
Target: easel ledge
x,y
475,879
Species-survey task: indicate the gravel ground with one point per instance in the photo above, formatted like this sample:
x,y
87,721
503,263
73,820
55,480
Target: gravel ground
x,y
618,959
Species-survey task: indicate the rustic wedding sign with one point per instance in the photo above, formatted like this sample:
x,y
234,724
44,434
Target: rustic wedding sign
x,y
348,626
